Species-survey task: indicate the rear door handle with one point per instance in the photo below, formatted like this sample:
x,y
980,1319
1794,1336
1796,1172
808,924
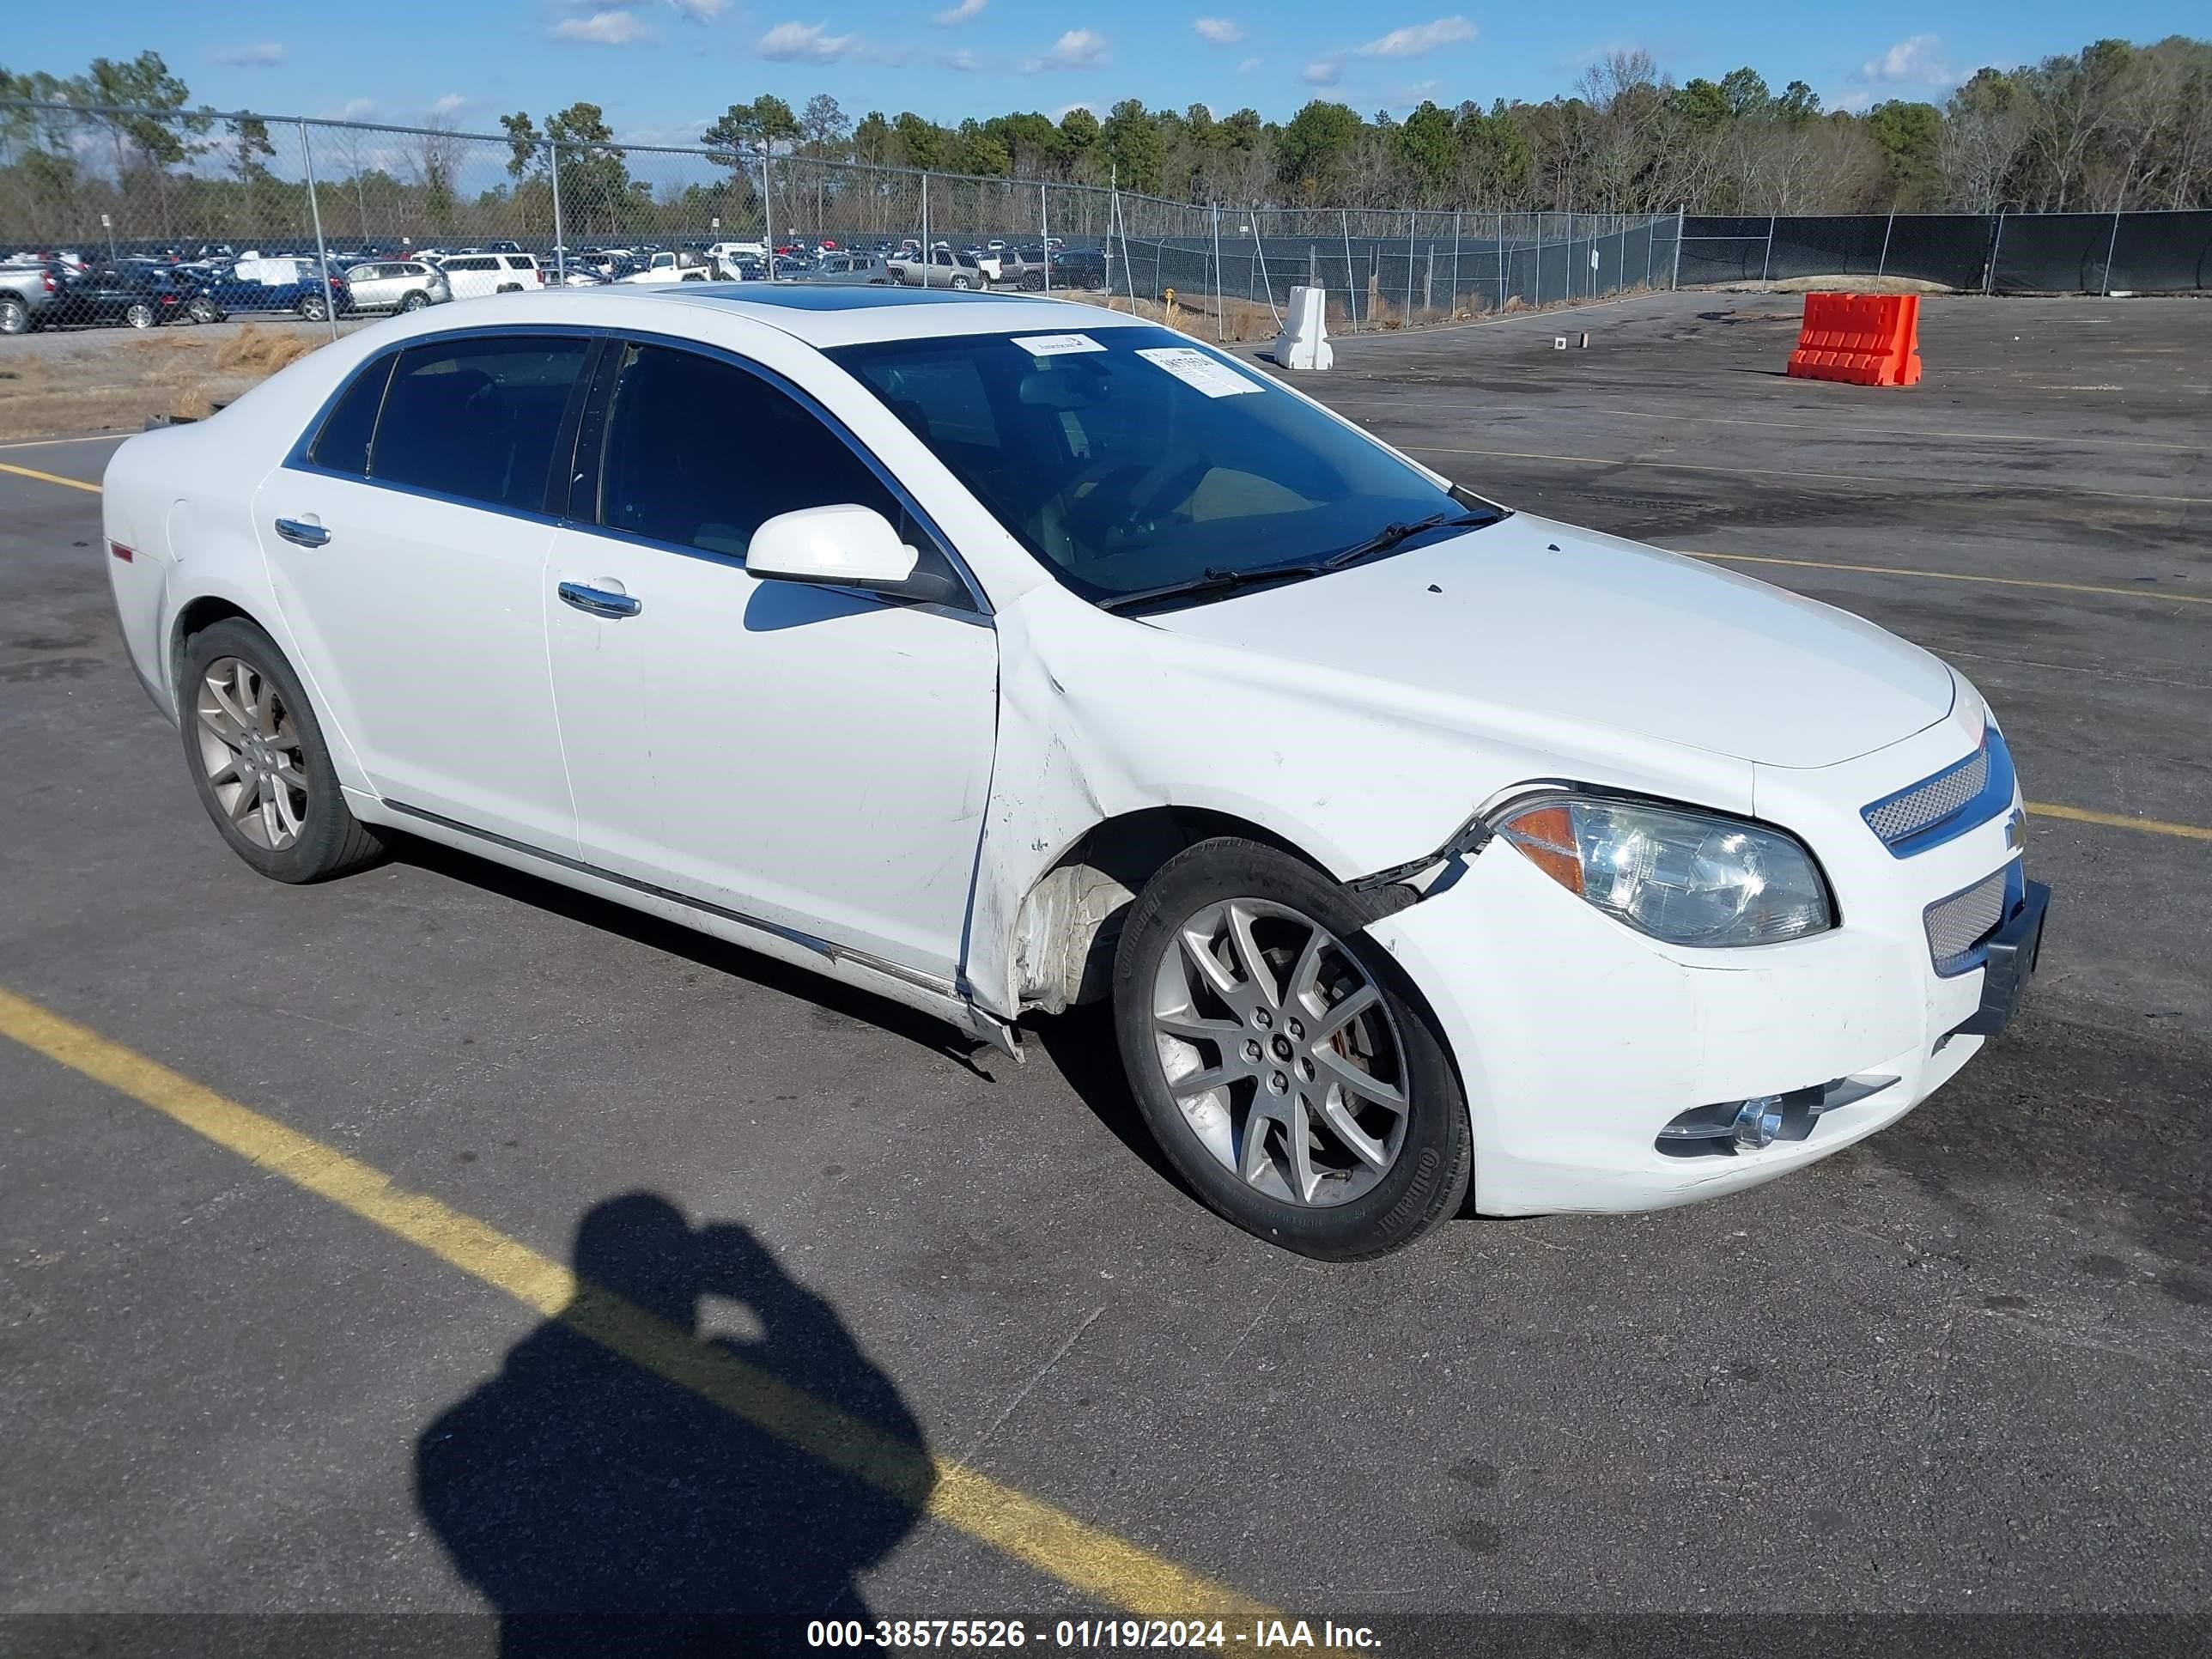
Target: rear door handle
x,y
598,601
301,532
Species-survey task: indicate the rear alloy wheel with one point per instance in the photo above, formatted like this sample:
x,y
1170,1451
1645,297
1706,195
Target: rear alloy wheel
x,y
204,310
138,314
15,315
314,308
961,282
415,301
258,761
1280,1060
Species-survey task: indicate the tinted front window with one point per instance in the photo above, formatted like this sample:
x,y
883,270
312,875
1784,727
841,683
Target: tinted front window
x,y
700,453
1129,459
478,418
343,444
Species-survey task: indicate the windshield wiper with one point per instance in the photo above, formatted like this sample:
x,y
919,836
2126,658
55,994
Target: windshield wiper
x,y
1213,580
1394,535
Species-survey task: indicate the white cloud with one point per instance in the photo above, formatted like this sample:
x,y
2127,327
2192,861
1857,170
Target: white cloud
x,y
1066,110
603,28
1916,58
356,109
1323,72
452,104
1852,103
1221,31
964,60
1247,66
705,10
260,54
960,14
809,42
1420,38
1075,50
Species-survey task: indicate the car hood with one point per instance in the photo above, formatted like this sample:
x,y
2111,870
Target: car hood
x,y
1532,614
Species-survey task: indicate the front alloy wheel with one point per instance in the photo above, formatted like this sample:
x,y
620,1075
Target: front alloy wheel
x,y
139,314
1287,1067
1280,1053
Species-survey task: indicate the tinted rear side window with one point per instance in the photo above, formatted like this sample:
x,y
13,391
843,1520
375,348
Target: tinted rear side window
x,y
478,418
343,444
700,452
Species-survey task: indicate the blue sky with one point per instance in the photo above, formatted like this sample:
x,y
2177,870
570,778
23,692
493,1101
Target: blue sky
x,y
661,68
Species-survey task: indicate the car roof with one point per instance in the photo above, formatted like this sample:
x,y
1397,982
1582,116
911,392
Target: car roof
x,y
851,316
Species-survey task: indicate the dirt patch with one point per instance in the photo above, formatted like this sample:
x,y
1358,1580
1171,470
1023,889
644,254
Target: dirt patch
x,y
116,379
1837,285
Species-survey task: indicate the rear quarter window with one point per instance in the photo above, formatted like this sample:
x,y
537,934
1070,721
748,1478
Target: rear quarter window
x,y
342,445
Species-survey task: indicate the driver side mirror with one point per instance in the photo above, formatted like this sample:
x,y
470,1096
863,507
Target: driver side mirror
x,y
844,546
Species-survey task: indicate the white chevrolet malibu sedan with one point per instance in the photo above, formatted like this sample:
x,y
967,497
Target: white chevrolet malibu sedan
x,y
997,654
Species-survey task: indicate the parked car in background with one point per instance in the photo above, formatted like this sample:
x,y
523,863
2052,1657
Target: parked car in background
x,y
1560,874
847,270
1078,268
282,283
397,285
681,266
472,276
945,268
30,294
139,296
1023,267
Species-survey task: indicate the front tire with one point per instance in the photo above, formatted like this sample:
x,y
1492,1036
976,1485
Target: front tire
x,y
204,310
415,301
138,314
15,315
258,761
1282,1060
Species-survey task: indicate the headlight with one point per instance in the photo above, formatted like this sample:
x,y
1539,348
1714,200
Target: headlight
x,y
1680,876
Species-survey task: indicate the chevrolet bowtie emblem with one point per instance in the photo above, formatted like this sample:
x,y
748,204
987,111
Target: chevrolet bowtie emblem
x,y
2016,830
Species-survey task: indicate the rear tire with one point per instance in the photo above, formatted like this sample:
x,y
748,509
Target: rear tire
x,y
204,310
265,779
138,314
1328,1041
314,308
415,301
15,315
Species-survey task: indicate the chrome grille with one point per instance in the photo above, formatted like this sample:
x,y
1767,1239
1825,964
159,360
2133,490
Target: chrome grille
x,y
1959,923
1914,810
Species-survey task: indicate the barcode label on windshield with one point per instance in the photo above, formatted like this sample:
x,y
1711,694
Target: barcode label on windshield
x,y
1057,345
1197,370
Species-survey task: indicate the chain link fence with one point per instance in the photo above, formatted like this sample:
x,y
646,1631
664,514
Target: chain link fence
x,y
83,186
2150,252
80,186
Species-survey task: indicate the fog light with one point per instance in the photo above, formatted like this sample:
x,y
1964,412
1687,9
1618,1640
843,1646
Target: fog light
x,y
1758,1121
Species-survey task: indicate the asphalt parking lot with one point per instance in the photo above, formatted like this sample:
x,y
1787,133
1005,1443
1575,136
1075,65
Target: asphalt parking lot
x,y
1960,1368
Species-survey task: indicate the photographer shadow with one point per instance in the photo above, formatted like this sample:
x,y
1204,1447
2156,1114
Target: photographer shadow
x,y
600,1508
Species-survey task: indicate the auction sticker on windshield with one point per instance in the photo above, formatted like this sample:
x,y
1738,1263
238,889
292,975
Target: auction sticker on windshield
x,y
1195,368
1057,345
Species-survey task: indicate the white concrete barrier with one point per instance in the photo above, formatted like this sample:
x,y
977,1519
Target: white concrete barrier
x,y
1303,343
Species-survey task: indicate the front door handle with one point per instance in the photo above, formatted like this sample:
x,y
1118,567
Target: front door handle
x,y
598,601
302,532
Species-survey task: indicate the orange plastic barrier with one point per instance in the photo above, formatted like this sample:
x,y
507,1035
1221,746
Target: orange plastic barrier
x,y
1866,339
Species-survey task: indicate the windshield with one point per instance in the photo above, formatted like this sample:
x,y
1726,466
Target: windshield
x,y
1132,459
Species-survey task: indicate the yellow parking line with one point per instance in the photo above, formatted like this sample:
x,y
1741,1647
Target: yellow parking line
x,y
49,477
2118,821
1956,576
1080,1555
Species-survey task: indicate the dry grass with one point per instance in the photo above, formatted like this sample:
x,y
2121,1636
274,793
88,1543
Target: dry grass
x,y
259,352
115,379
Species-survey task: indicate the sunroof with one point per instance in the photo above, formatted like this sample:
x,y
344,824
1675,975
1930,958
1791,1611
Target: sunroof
x,y
810,296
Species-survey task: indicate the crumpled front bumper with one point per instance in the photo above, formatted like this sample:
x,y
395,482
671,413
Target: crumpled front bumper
x,y
1578,1039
